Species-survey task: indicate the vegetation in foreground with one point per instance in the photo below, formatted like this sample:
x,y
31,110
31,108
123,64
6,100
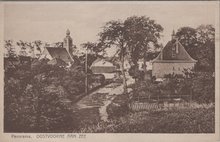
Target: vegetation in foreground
x,y
200,120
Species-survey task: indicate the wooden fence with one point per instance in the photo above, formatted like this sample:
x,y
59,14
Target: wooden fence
x,y
156,103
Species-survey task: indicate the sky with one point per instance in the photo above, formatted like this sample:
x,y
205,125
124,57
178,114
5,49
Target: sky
x,y
48,21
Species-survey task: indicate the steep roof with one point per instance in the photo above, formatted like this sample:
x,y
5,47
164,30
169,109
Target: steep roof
x,y
102,62
57,61
102,66
60,53
174,52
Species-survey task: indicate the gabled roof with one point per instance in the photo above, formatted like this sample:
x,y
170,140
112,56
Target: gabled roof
x,y
102,62
180,54
60,53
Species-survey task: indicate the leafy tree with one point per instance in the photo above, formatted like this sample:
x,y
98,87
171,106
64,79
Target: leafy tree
x,y
58,44
31,48
39,46
93,52
132,38
93,48
113,36
37,99
10,49
205,33
23,48
200,44
142,34
206,50
188,38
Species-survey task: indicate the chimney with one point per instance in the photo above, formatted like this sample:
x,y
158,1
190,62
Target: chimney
x,y
177,47
176,41
173,35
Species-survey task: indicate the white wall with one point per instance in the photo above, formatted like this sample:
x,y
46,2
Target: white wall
x,y
160,69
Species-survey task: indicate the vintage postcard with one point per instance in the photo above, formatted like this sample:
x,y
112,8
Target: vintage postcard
x,y
112,71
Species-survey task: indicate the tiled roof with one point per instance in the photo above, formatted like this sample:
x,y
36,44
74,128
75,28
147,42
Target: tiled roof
x,y
174,52
60,53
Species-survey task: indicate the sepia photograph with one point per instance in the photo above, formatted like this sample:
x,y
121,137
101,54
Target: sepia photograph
x,y
110,67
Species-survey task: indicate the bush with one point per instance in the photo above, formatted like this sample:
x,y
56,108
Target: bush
x,y
177,121
37,99
199,85
118,107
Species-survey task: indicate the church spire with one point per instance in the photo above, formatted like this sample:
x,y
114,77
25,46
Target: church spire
x,y
67,32
173,35
68,42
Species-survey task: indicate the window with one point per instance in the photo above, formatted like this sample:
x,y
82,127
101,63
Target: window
x,y
173,54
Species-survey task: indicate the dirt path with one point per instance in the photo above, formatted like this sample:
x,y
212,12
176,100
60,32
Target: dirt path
x,y
93,107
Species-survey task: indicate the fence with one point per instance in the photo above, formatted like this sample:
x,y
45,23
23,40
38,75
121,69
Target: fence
x,y
155,103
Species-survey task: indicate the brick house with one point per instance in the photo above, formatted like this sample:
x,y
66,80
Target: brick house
x,y
173,59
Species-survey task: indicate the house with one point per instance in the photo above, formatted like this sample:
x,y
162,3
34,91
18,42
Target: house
x,y
102,66
173,59
63,53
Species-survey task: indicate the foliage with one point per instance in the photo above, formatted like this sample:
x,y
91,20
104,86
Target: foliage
x,y
118,107
203,87
200,44
113,36
142,35
199,85
37,98
187,37
131,38
200,120
10,49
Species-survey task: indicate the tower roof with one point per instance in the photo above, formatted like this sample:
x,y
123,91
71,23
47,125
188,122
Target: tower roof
x,y
166,54
67,32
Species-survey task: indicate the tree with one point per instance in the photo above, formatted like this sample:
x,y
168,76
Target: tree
x,y
113,36
142,35
94,51
59,44
200,44
206,50
38,44
38,99
205,33
23,48
187,36
31,48
93,48
10,49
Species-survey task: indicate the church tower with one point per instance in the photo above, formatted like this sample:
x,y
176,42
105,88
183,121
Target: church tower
x,y
68,42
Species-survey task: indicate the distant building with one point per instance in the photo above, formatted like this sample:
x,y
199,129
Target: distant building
x,y
141,65
60,53
101,66
173,59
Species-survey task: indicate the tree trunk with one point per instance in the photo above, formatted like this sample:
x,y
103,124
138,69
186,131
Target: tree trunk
x,y
145,67
123,75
